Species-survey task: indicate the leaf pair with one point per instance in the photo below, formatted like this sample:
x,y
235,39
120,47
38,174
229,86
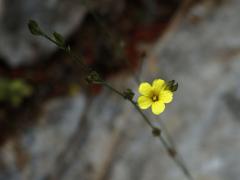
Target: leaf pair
x,y
37,31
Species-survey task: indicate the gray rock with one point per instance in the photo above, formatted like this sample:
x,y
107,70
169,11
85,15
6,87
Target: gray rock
x,y
43,144
18,46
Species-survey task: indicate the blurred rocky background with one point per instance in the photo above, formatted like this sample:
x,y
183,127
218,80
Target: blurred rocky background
x,y
54,126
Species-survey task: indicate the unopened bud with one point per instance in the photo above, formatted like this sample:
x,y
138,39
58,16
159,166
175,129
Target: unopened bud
x,y
34,28
59,39
172,86
94,77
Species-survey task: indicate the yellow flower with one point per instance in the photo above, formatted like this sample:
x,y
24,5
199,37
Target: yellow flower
x,y
155,95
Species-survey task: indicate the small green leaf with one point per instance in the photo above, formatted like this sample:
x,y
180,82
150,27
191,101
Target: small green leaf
x,y
59,39
34,28
170,83
174,88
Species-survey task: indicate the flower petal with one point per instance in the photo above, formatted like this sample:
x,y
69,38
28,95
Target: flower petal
x,y
166,96
158,85
144,102
158,107
145,89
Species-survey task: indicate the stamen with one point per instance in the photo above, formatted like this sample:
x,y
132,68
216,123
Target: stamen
x,y
154,98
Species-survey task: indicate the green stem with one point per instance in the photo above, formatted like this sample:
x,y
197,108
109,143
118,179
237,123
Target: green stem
x,y
132,102
172,152
75,58
142,114
112,89
169,148
50,39
78,60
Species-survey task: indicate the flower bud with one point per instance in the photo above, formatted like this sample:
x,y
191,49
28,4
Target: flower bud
x,y
59,39
34,28
94,77
172,86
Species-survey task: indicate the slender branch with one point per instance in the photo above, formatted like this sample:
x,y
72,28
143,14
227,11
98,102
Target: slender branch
x,y
68,50
94,77
132,102
172,152
112,89
142,114
169,146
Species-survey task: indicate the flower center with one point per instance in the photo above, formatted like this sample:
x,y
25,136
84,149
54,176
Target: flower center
x,y
155,98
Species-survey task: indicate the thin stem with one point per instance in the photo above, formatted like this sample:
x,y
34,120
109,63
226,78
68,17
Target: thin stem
x,y
171,150
175,156
142,114
132,102
76,58
50,39
167,134
113,89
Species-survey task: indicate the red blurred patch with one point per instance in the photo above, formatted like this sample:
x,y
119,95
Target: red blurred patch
x,y
95,89
142,34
